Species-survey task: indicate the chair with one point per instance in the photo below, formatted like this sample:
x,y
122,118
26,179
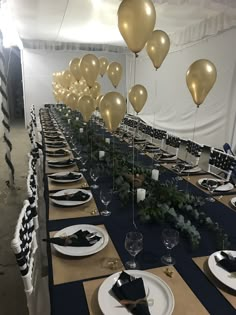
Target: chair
x,y
173,142
194,150
25,248
227,149
221,162
160,135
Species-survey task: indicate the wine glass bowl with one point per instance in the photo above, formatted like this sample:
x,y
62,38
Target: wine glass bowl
x,y
83,162
170,239
133,245
211,187
94,174
106,197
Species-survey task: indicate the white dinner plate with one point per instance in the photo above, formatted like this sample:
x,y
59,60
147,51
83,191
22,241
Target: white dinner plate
x,y
195,169
82,251
155,288
233,202
59,165
227,278
65,180
168,158
71,203
55,154
224,187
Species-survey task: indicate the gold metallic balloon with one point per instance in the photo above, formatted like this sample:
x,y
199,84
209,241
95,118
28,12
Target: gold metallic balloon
x,y
112,108
136,21
114,72
200,78
86,107
66,79
103,65
71,100
157,47
137,97
75,68
95,90
90,66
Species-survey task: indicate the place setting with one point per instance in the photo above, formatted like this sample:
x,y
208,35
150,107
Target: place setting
x,y
58,153
66,177
76,247
56,144
220,268
216,187
71,197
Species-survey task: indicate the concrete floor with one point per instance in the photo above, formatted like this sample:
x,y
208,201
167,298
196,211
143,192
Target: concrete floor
x,y
12,296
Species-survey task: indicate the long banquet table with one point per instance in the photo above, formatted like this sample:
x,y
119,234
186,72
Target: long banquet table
x,y
73,282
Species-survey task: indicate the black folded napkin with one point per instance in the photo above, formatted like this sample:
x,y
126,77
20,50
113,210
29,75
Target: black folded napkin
x,y
78,196
139,140
78,239
211,182
130,292
67,176
52,138
65,162
228,262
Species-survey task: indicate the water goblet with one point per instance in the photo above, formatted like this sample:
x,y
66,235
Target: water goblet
x,y
83,161
133,245
105,197
94,174
211,187
170,238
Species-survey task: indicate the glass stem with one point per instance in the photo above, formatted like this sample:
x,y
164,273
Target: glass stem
x,y
169,253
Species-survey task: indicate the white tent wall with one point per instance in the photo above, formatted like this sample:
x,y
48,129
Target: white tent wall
x,y
1,118
170,105
38,66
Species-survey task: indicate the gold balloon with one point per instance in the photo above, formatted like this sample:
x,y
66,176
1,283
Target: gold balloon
x,y
71,100
86,107
157,47
75,69
200,78
113,109
136,21
95,90
114,72
90,66
137,97
66,79
98,101
103,65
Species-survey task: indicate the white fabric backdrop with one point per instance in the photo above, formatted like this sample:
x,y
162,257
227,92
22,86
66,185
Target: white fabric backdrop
x,y
170,105
37,69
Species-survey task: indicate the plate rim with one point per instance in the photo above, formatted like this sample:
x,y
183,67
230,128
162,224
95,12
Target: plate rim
x,y
103,231
211,260
67,180
77,203
139,273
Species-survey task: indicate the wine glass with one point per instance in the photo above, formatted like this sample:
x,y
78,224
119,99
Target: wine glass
x,y
170,238
133,245
94,174
83,161
211,187
105,197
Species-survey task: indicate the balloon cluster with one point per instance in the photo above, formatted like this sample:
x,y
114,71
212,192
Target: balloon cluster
x,y
78,88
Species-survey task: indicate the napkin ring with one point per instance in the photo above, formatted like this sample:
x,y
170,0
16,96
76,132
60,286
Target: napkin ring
x,y
144,300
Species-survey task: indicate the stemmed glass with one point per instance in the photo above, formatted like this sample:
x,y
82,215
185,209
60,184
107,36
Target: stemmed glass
x,y
83,162
105,197
170,238
133,245
211,187
94,176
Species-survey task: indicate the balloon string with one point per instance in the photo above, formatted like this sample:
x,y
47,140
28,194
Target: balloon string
x,y
195,121
133,188
113,164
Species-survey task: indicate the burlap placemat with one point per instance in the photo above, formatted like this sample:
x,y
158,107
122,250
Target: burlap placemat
x,y
85,210
52,185
180,289
229,294
103,263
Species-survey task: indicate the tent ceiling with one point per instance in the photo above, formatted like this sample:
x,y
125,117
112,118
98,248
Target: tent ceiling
x,y
95,21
